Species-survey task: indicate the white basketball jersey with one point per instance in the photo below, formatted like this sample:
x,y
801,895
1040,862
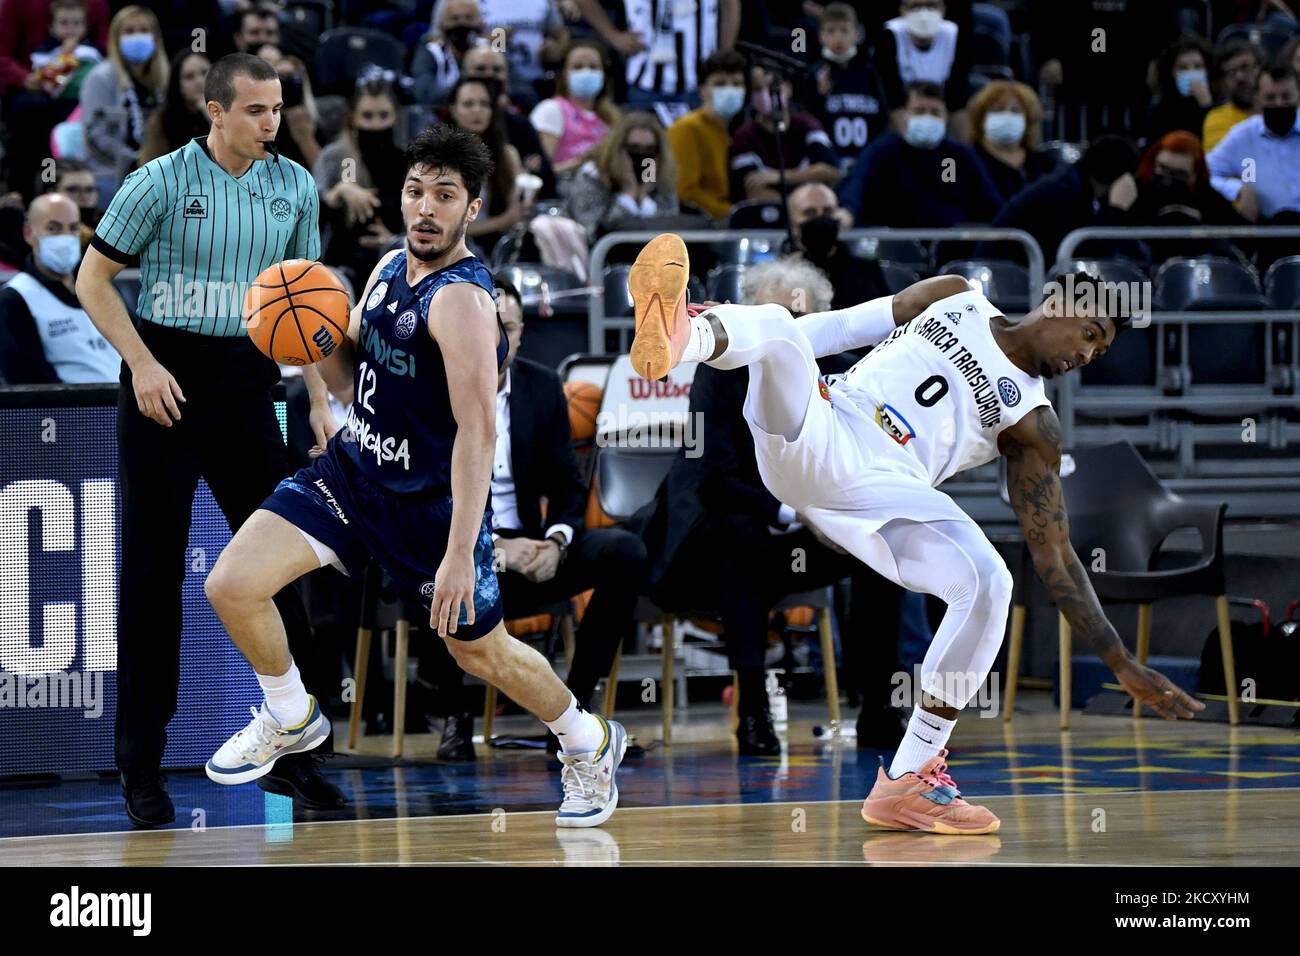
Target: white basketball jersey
x,y
942,388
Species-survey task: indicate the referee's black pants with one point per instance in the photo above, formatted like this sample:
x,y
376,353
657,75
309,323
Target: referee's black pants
x,y
229,436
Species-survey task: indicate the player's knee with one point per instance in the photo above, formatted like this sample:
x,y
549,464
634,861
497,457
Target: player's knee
x,y
223,586
996,582
473,657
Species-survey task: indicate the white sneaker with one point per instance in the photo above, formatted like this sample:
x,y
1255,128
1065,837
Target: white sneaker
x,y
590,794
253,751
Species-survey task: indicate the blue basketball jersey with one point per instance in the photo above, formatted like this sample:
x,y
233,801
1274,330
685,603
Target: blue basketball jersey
x,y
400,427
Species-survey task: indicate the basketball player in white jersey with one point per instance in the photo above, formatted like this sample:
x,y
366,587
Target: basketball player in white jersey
x,y
950,385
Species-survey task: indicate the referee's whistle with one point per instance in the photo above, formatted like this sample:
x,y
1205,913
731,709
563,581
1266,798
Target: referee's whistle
x,y
270,147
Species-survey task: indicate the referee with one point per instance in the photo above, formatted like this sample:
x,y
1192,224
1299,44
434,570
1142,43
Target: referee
x,y
195,396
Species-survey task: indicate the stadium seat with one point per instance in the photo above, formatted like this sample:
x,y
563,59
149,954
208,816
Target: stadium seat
x,y
724,283
908,252
898,276
1207,283
1005,284
1282,283
1266,35
1065,154
302,24
1111,270
747,250
756,214
618,300
346,53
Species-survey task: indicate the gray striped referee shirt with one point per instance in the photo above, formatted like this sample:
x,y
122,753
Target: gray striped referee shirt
x,y
203,236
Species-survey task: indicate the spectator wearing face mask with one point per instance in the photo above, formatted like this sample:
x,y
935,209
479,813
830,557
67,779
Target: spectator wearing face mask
x,y
1007,119
922,178
572,123
184,111
1184,84
806,150
1174,190
850,100
817,219
1271,144
632,176
700,140
362,212
45,334
485,63
920,46
1238,63
455,28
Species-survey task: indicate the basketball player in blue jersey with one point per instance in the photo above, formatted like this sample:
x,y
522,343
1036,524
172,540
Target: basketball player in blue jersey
x,y
407,482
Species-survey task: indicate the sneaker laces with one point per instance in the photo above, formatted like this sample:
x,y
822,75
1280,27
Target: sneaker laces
x,y
938,776
578,777
257,735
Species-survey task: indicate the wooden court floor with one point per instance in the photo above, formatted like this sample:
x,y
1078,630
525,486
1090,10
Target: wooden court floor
x,y
1110,791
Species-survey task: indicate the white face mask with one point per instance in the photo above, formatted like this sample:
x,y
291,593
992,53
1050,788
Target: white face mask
x,y
923,23
1004,128
924,131
59,254
840,58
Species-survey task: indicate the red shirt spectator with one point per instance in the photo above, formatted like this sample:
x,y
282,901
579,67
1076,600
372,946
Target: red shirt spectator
x,y
25,25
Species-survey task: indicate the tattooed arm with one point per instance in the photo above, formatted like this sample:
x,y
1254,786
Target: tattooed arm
x,y
1033,449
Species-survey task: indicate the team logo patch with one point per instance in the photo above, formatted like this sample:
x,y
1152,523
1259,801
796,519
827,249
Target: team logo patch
x,y
376,295
280,209
823,389
427,588
1009,392
196,207
404,327
895,425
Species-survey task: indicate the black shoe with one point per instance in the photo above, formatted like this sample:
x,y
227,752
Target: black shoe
x,y
880,728
757,736
457,738
298,776
147,803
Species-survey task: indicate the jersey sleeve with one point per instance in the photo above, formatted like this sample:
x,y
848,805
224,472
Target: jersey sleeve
x,y
305,243
132,218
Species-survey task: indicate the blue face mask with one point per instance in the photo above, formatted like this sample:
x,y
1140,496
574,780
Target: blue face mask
x,y
586,84
727,101
1004,128
1185,79
136,47
59,254
925,131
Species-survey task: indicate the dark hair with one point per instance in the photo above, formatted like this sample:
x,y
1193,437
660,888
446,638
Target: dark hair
x,y
724,61
923,88
220,84
1278,73
1078,279
507,288
1232,49
494,138
1107,158
67,5
372,87
449,148
839,13
177,119
1187,43
259,10
65,168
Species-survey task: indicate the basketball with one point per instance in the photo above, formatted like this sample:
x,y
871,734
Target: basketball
x,y
296,312
584,403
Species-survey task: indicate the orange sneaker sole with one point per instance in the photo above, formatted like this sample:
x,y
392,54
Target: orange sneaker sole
x,y
657,282
938,827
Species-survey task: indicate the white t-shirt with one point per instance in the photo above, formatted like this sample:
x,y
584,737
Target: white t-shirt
x,y
547,117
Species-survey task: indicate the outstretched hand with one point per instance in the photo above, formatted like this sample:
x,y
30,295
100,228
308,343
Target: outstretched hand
x,y
1153,689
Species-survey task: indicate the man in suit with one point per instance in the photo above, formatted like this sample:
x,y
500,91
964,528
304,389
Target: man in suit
x,y
720,542
541,562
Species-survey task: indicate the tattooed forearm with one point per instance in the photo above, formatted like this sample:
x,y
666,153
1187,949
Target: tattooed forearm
x,y
1070,588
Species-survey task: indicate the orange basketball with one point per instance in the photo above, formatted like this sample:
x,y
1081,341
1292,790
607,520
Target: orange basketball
x,y
584,403
296,312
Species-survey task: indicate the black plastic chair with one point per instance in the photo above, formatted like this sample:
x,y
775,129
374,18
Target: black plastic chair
x,y
1282,283
898,276
1121,513
345,53
757,214
1207,284
746,250
1109,270
724,284
906,251
1265,35
1005,284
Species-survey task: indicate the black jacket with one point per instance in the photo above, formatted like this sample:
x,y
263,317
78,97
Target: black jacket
x,y
541,451
723,480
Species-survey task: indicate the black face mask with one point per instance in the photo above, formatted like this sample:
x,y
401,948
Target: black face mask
x,y
639,157
375,141
1279,119
291,90
819,237
460,37
1171,186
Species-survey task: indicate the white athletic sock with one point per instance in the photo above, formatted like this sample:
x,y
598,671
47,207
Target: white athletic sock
x,y
579,730
286,698
926,736
700,346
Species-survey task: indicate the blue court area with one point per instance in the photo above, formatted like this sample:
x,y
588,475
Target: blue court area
x,y
989,759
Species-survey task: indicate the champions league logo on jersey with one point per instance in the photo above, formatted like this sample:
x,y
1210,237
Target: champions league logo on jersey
x,y
280,209
1009,392
376,295
404,327
895,425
